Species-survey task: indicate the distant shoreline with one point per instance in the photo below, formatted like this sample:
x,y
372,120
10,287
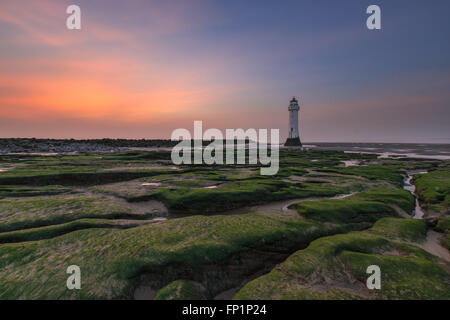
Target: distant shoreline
x,y
64,146
71,146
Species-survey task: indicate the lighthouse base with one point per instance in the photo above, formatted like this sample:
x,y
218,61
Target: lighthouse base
x,y
293,142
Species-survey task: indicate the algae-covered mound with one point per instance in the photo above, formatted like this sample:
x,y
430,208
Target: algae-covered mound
x,y
365,206
335,267
238,194
96,211
52,231
182,290
20,213
434,190
443,226
111,260
389,173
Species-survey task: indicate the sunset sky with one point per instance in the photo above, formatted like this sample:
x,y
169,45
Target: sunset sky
x,y
141,68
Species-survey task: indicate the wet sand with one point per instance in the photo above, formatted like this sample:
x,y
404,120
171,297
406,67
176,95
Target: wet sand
x,y
433,245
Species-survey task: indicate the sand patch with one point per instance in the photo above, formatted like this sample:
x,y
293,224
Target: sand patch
x,y
151,184
433,245
351,163
152,167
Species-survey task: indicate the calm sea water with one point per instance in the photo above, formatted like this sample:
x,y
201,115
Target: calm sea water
x,y
385,150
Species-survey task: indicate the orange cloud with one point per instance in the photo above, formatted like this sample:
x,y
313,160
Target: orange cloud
x,y
67,75
43,22
81,97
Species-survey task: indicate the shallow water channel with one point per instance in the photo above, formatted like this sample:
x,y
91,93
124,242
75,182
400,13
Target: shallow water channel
x,y
418,213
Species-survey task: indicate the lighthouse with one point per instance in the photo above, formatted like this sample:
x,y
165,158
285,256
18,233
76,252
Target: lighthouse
x,y
293,139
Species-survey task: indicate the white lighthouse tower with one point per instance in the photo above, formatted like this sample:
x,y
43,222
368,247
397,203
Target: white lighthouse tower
x,y
293,137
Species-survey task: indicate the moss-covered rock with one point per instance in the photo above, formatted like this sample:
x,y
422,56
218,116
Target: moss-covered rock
x,y
372,204
443,226
52,231
433,190
112,259
63,223
182,290
335,268
24,213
